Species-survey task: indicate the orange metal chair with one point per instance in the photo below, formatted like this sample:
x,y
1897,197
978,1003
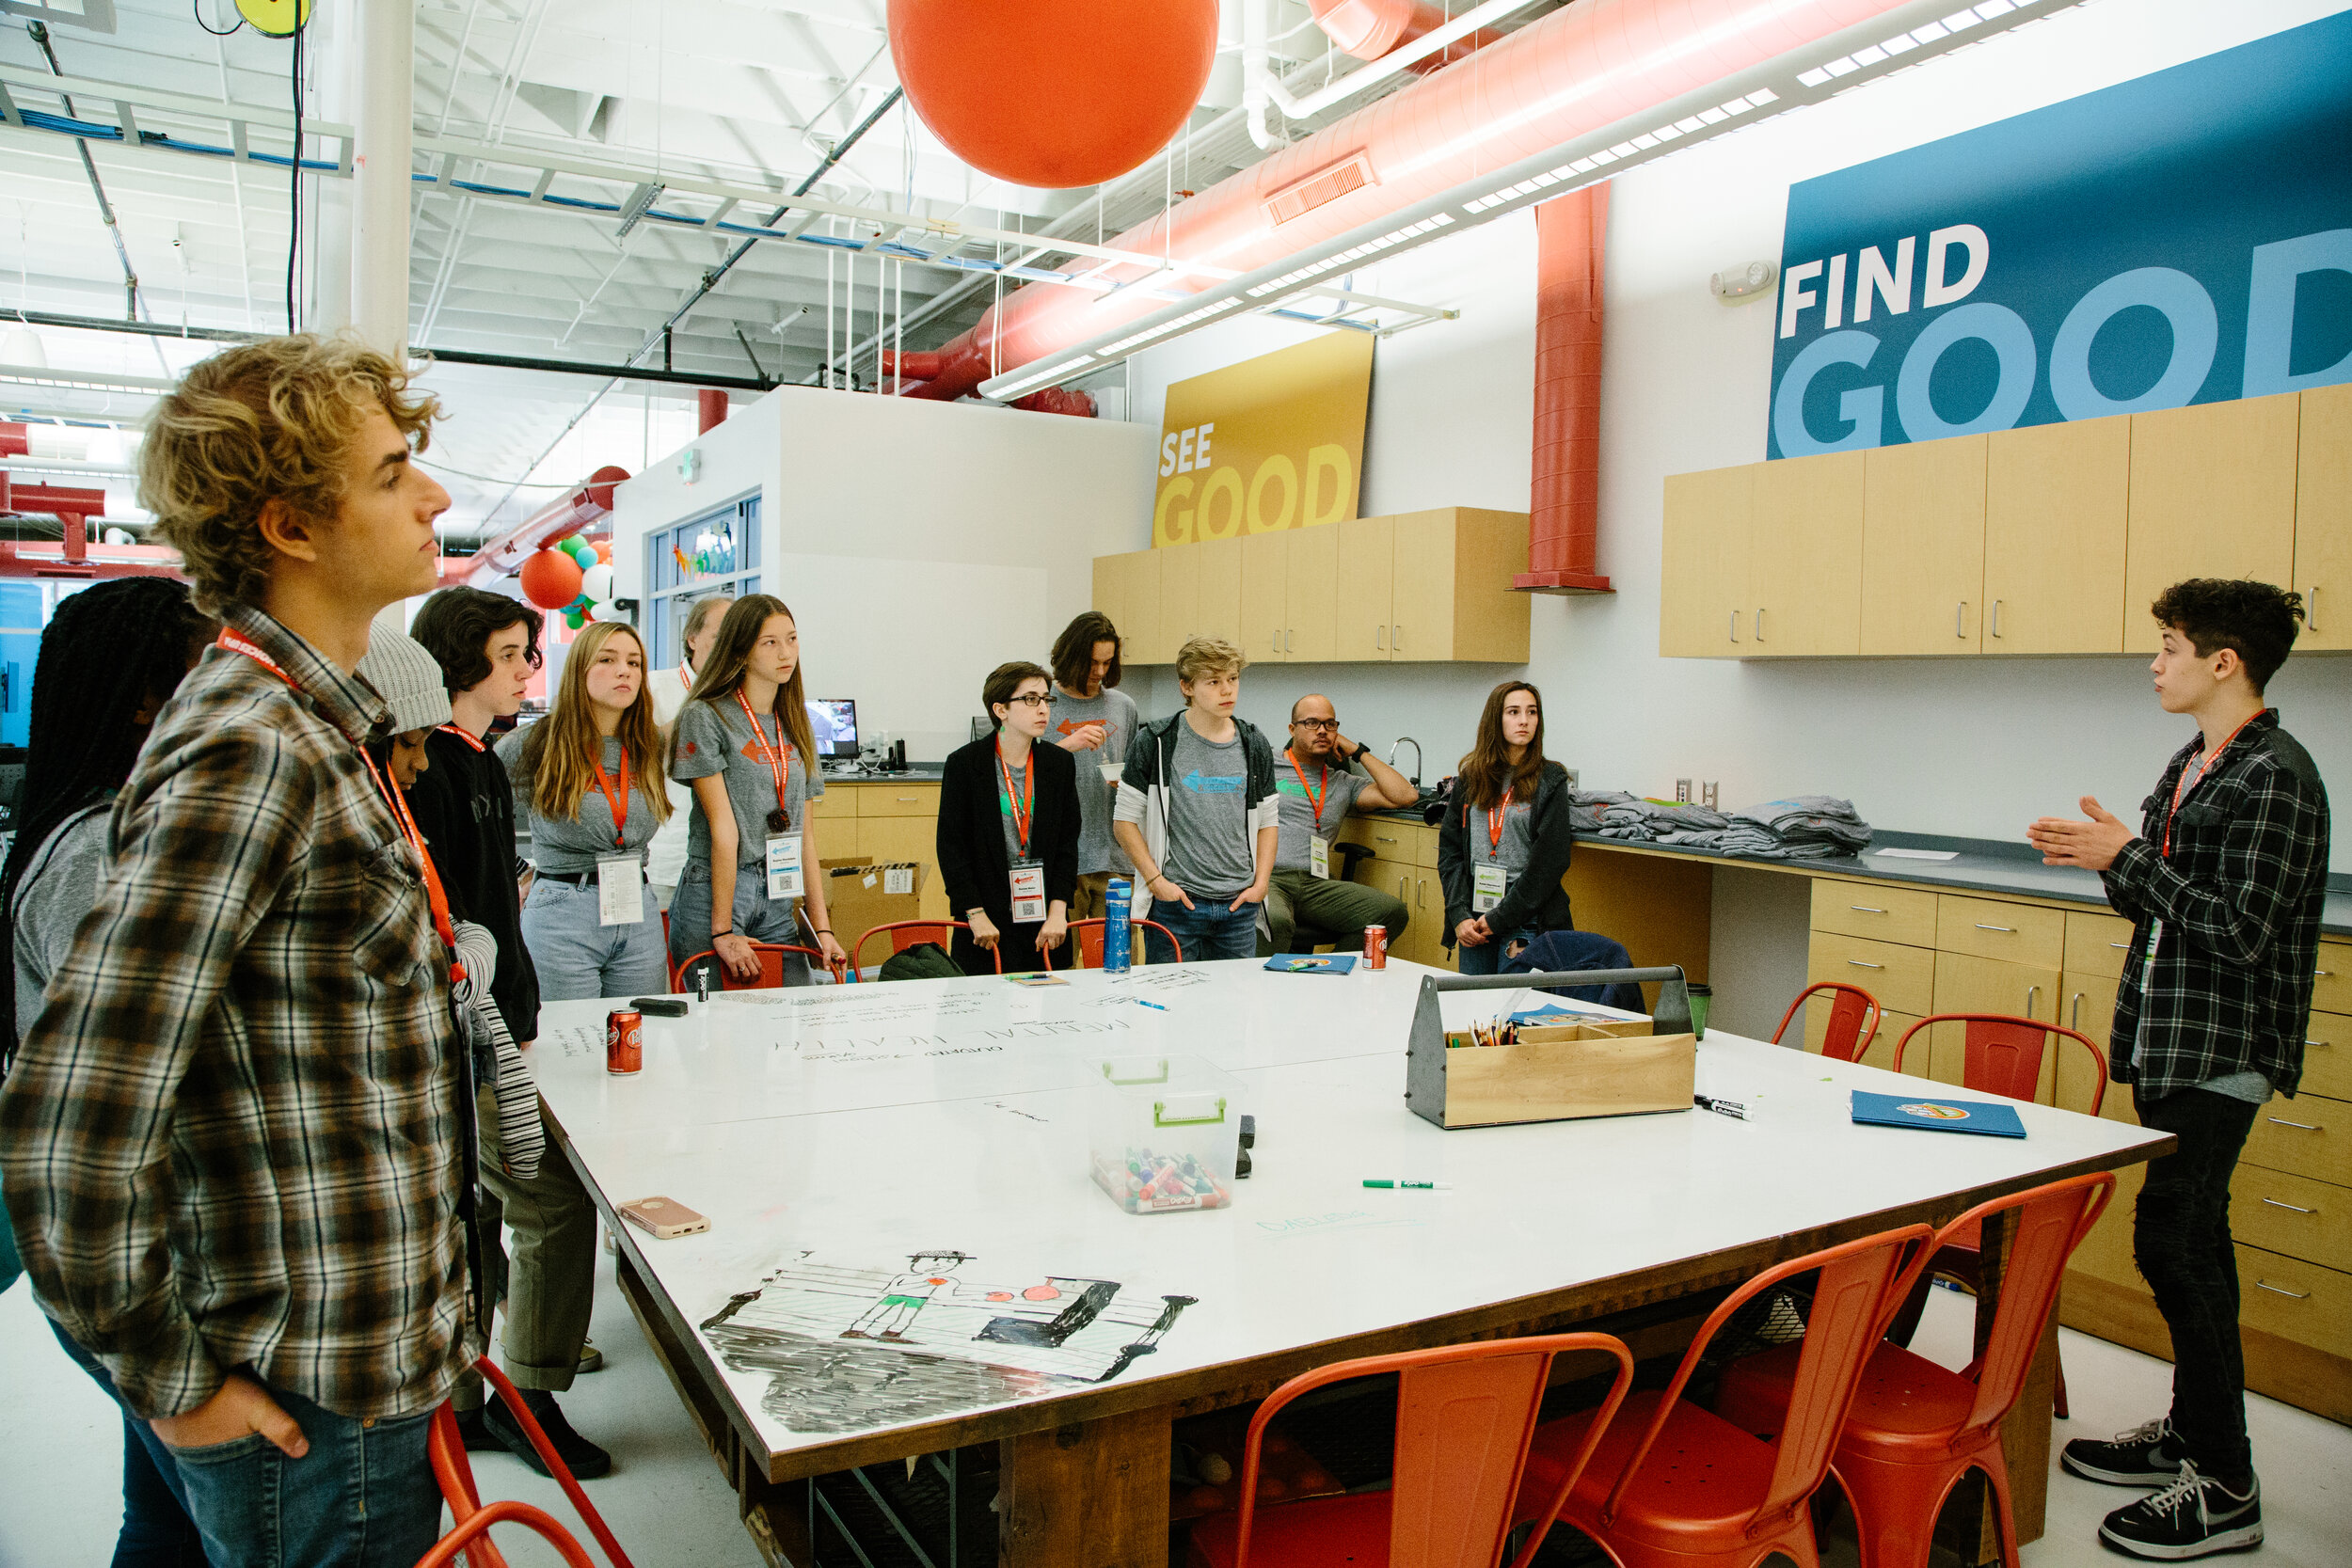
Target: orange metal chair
x,y
1854,1020
771,957
906,933
446,1549
1916,1428
2003,1057
454,1472
1464,1416
1086,940
1675,1484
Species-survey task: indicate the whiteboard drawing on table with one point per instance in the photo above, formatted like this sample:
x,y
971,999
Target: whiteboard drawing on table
x,y
844,1347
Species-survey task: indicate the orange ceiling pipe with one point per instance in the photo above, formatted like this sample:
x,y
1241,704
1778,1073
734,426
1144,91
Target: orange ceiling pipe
x,y
559,519
1369,29
1571,237
1571,72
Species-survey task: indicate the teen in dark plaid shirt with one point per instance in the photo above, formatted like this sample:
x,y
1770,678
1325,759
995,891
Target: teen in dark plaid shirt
x,y
233,1139
2223,884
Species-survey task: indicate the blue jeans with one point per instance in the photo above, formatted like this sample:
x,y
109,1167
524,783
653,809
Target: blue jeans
x,y
156,1529
757,918
1490,956
1207,930
580,959
363,1497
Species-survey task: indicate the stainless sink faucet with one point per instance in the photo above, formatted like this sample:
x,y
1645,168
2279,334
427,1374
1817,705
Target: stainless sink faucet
x,y
1400,740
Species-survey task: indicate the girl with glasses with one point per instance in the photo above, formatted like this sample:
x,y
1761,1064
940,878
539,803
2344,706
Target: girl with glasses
x,y
1009,830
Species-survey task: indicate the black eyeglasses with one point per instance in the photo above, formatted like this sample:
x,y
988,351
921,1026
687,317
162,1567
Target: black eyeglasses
x,y
1331,724
1036,699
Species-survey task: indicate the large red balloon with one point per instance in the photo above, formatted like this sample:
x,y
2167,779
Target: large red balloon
x,y
550,579
1054,93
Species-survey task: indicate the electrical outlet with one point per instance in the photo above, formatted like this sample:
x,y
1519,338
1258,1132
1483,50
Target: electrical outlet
x,y
1709,796
1683,791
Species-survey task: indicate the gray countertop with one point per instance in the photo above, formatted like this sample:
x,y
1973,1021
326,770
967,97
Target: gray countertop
x,y
1979,865
921,772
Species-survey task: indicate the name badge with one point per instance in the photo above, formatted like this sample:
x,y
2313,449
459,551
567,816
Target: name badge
x,y
1029,891
620,891
1488,885
784,865
1319,858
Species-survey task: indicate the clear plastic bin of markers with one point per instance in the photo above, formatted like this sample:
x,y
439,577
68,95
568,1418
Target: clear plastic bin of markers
x,y
1164,1132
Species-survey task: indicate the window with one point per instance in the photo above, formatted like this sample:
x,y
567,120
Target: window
x,y
716,553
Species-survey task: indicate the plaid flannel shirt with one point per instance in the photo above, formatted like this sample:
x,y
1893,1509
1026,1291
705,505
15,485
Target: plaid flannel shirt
x,y
2239,899
231,1138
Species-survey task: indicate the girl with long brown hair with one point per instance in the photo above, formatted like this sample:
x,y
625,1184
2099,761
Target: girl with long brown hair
x,y
744,742
594,779
1504,844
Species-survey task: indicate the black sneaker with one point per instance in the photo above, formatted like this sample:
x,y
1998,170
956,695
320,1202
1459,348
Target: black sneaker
x,y
2195,1516
2150,1456
476,1437
583,1458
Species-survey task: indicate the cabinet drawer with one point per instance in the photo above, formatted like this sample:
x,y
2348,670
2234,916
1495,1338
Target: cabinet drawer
x,y
2303,1302
2309,1135
1882,913
2292,1215
911,800
1903,978
2332,992
836,804
2016,933
1408,843
2327,1055
2097,943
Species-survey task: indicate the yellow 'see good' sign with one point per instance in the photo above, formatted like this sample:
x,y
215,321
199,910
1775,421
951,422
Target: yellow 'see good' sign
x,y
1273,443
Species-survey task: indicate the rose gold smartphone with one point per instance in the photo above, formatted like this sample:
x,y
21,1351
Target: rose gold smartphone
x,y
665,1217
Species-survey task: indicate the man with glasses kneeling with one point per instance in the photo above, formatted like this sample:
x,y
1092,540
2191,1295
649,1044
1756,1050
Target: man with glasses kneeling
x,y
1318,780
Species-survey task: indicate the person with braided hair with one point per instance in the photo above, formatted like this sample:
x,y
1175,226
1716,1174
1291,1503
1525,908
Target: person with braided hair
x,y
111,658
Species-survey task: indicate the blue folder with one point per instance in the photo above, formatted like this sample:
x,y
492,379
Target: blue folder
x,y
1929,1112
1312,964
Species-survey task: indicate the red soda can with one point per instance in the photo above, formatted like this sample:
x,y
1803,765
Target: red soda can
x,y
1376,947
624,1040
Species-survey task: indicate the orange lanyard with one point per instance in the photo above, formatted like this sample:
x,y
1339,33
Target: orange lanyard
x,y
1020,804
2180,788
433,894
1495,815
779,759
466,736
1314,798
685,677
616,799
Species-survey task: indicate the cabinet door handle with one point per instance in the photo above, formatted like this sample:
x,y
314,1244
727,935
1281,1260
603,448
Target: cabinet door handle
x,y
2311,609
1380,635
1735,625
2075,1015
2323,974
2288,1207
1857,964
1382,838
1960,613
1274,646
2032,993
1863,909
2298,1126
2120,946
2321,1044
1760,623
2005,930
1420,892
1396,638
1996,617
2280,1290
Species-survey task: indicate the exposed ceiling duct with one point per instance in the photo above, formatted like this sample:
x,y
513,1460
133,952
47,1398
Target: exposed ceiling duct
x,y
1584,70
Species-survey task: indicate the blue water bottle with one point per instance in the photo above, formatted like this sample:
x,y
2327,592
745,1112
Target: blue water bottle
x,y
1117,955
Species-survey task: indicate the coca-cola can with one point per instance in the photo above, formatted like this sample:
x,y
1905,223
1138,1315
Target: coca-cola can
x,y
1376,947
624,1040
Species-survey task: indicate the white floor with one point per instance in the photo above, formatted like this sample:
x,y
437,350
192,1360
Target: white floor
x,y
60,1455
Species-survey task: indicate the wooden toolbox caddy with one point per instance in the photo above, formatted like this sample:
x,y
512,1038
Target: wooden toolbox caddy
x,y
1555,1072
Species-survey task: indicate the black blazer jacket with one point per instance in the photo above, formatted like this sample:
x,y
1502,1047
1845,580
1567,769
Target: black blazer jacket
x,y
972,860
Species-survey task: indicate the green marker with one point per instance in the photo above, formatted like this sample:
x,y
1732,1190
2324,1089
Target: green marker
x,y
1425,1186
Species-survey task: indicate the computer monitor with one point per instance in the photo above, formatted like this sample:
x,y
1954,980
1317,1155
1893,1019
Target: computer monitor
x,y
833,721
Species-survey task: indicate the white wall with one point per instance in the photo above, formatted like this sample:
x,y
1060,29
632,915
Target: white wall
x,y
920,544
1969,747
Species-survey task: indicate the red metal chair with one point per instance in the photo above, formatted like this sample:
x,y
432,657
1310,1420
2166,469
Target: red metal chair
x,y
1854,1020
1916,1428
2003,1057
907,933
1693,1490
771,957
1464,1416
487,1556
1086,940
454,1472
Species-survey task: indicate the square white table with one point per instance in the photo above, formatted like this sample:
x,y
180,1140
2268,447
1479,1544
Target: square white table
x,y
861,1125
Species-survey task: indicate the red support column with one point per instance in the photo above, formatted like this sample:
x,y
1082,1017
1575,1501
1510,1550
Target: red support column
x,y
1571,240
710,408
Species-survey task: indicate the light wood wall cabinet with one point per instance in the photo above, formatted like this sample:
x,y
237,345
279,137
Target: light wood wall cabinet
x,y
1919,950
1422,586
2051,539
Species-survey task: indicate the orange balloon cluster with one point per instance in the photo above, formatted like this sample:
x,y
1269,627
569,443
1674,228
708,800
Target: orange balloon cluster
x,y
1072,93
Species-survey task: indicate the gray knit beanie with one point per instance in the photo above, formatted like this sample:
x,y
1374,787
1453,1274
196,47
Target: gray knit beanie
x,y
406,677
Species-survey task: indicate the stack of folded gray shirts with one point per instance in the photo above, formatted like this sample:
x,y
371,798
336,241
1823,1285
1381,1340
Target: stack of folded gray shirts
x,y
1804,827
1586,805
1658,821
